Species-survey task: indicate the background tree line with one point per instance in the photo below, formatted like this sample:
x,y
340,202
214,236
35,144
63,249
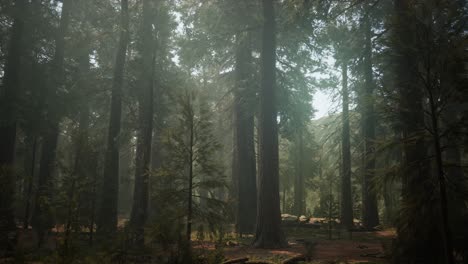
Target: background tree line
x,y
183,116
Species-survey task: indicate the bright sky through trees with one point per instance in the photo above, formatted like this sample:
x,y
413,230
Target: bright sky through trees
x,y
322,103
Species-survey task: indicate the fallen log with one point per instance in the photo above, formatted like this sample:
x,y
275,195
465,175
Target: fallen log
x,y
294,260
298,224
236,261
373,255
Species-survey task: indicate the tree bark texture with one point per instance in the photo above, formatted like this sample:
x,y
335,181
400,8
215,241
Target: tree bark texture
x,y
268,230
145,130
9,100
299,206
443,200
419,239
107,214
190,175
346,196
244,167
43,217
370,215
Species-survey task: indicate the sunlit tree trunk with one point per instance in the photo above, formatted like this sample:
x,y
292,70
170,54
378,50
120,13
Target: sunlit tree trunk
x,y
43,216
346,196
268,231
145,126
370,215
107,214
9,98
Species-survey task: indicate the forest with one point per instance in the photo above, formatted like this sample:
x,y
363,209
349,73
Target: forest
x,y
234,131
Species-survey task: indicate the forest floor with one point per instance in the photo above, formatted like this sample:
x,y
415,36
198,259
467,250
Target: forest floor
x,y
361,247
314,244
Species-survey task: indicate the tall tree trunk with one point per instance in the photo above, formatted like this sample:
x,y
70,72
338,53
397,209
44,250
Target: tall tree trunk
x,y
29,190
391,193
244,166
299,207
190,175
80,167
203,192
451,119
370,215
107,214
268,231
157,153
454,171
418,240
145,130
346,196
443,200
43,217
8,105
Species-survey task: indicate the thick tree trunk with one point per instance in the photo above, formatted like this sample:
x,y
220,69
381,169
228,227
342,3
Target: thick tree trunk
x,y
346,196
81,168
145,130
451,119
29,191
418,240
43,216
443,200
9,97
454,174
370,215
244,164
268,231
391,193
107,214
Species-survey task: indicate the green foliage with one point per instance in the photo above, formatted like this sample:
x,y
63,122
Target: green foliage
x,y
328,207
194,77
170,181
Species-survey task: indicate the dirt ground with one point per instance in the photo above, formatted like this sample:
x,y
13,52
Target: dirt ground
x,y
360,247
363,247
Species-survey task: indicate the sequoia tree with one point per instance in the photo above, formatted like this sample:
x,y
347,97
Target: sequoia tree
x,y
346,196
244,167
420,235
107,217
370,216
268,231
145,124
42,219
9,97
